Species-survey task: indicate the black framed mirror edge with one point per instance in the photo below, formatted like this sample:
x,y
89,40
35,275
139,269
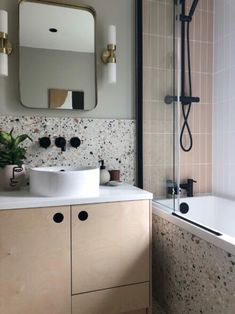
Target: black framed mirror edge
x,y
139,91
63,4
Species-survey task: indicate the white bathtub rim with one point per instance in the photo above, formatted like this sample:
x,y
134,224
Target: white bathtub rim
x,y
209,211
224,242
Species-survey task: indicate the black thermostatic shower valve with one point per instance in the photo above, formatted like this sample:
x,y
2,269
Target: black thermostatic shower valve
x,y
185,100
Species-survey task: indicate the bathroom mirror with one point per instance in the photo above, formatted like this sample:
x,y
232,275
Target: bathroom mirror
x,y
57,56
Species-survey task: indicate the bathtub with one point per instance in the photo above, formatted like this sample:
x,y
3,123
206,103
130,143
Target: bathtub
x,y
211,218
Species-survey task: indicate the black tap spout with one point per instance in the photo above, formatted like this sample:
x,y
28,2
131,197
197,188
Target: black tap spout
x,y
188,187
61,143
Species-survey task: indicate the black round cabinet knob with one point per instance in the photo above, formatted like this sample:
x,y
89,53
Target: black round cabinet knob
x,y
58,218
83,215
75,142
44,142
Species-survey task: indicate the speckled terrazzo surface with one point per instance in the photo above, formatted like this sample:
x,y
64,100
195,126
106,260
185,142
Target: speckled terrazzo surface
x,y
156,308
190,275
111,140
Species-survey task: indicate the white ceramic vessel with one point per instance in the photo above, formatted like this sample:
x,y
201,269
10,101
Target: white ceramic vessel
x,y
12,177
65,181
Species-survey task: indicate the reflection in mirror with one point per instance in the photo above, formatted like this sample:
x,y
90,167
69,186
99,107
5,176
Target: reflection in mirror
x,y
65,99
57,56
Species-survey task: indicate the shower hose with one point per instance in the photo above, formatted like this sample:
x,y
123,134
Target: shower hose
x,y
186,108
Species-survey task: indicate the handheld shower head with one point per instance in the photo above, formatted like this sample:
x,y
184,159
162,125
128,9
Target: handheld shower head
x,y
193,8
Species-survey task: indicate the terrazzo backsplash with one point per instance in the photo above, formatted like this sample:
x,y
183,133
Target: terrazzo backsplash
x,y
190,275
110,140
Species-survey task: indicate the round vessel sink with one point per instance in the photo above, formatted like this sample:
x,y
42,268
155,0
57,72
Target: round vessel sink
x,y
65,181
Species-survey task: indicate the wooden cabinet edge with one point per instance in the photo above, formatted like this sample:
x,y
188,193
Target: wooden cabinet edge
x,y
36,208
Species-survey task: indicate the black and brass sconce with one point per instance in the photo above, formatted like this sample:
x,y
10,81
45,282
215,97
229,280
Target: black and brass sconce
x,y
5,44
109,55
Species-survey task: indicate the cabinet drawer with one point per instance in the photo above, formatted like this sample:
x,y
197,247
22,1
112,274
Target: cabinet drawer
x,y
110,245
133,299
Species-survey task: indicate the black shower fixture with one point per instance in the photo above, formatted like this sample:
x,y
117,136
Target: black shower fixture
x,y
188,18
186,106
193,8
186,98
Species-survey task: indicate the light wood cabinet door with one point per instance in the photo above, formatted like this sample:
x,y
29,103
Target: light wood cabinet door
x,y
35,261
110,245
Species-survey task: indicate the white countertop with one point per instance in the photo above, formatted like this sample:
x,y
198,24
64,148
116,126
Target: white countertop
x,y
23,199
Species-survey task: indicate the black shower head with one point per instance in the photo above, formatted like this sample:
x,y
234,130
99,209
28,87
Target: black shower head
x,y
193,8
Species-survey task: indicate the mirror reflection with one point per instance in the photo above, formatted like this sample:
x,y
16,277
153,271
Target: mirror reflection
x,y
57,56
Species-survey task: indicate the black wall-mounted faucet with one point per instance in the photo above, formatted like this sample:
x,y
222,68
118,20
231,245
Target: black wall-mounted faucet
x,y
188,187
61,143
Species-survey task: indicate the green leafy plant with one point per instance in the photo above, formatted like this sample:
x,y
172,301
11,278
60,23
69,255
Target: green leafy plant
x,y
11,153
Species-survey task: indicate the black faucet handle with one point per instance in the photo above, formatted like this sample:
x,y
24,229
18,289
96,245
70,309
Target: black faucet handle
x,y
75,142
61,143
192,180
44,142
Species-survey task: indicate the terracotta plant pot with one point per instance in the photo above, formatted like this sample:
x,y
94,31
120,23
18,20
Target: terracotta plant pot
x,y
12,177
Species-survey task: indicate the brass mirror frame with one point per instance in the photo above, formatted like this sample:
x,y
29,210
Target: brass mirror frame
x,y
66,5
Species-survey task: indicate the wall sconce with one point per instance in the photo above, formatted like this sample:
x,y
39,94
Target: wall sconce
x,y
5,45
109,55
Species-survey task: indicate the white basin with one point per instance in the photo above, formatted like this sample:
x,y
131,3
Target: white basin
x,y
65,181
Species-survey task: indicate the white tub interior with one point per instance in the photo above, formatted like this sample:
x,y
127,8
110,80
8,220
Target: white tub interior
x,y
212,212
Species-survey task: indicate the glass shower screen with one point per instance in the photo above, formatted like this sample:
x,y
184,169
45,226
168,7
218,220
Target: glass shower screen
x,y
161,156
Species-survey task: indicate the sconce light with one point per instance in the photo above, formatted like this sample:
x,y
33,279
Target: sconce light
x,y
109,55
5,45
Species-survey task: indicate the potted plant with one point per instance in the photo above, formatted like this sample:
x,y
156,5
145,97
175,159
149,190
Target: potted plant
x,y
12,156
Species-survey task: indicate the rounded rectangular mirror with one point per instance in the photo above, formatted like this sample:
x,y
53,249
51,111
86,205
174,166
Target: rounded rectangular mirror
x,y
57,56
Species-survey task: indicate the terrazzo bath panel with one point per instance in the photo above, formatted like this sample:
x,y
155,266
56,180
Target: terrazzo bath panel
x,y
110,140
190,275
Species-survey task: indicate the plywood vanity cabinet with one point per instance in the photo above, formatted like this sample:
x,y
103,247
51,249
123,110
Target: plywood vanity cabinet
x,y
35,261
105,246
110,257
